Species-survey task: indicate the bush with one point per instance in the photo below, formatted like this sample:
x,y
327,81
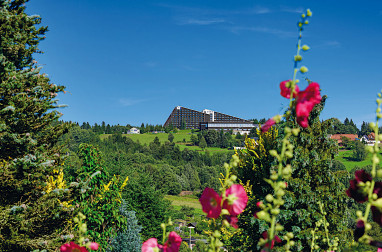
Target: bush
x,y
359,151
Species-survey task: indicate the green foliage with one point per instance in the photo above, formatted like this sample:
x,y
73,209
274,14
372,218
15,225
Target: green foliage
x,y
202,143
128,239
170,137
100,200
30,218
359,151
150,207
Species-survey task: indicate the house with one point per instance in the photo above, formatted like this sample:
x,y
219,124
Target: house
x,y
134,131
351,137
370,139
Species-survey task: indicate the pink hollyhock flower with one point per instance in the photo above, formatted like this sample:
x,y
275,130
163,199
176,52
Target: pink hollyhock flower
x,y
265,237
232,220
150,245
267,125
354,190
211,203
72,247
285,92
359,230
306,100
173,243
94,246
240,202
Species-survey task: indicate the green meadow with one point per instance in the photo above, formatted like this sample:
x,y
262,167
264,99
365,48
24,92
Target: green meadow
x,y
181,138
179,201
345,156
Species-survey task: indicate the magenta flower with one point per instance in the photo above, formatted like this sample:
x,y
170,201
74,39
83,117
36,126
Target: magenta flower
x,y
94,246
72,247
265,237
173,243
267,125
240,199
150,244
211,203
232,220
285,92
354,190
306,100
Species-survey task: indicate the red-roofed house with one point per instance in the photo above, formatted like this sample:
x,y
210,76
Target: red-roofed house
x,y
337,137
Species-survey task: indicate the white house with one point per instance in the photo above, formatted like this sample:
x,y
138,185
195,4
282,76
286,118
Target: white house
x,y
134,131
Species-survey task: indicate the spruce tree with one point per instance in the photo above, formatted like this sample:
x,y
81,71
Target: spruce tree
x,y
30,217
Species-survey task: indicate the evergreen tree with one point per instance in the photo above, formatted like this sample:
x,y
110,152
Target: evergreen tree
x,y
202,143
170,137
31,217
128,240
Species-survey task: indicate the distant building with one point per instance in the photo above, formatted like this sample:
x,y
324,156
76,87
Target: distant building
x,y
370,139
338,137
207,119
134,131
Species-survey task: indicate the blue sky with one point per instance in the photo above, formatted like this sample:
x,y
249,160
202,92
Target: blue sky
x,y
128,62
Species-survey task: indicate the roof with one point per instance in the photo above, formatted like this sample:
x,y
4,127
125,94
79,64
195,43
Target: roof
x,y
352,137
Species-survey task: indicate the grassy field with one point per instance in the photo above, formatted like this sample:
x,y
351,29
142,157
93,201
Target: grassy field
x,y
163,137
179,201
345,156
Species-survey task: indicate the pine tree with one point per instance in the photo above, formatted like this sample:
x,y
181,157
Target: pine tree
x,y
30,217
128,240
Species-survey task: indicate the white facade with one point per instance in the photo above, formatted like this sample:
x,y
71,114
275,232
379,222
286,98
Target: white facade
x,y
134,131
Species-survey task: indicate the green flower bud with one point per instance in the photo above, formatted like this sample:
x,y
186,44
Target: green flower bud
x,y
303,15
303,69
375,160
299,24
316,247
290,235
274,176
269,198
379,173
368,226
275,211
295,131
297,58
233,177
305,47
308,12
224,212
306,22
280,193
216,234
291,243
372,125
273,153
375,196
279,227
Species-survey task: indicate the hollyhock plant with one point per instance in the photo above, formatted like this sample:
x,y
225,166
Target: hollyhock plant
x,y
306,100
285,91
267,125
151,245
354,190
237,199
232,220
211,203
265,237
72,247
173,243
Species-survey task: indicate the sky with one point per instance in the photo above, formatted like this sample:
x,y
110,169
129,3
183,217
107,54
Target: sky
x,y
129,61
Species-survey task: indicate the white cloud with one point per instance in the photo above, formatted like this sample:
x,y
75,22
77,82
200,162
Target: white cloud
x,y
125,102
261,29
333,43
298,10
201,21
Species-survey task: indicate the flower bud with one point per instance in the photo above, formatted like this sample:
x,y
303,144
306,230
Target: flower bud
x,y
308,12
274,176
224,212
379,173
275,211
273,153
305,47
279,227
295,131
269,198
367,226
290,235
297,58
303,69
260,204
372,125
303,15
291,243
306,22
299,24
